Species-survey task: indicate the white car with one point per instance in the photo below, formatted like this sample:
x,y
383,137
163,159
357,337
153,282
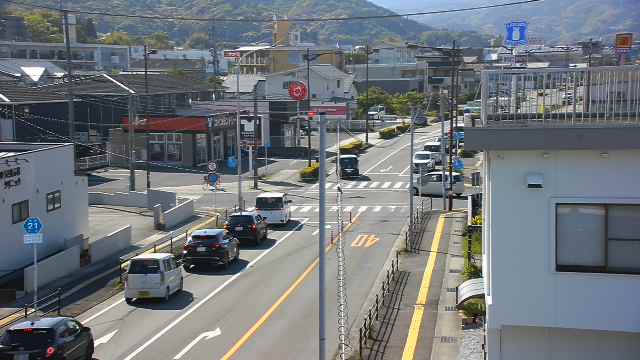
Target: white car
x,y
431,184
273,207
376,112
434,148
152,275
424,161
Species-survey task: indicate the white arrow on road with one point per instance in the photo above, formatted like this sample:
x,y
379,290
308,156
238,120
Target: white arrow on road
x,y
105,339
387,169
205,335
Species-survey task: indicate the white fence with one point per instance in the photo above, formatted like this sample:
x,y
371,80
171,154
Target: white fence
x,y
52,268
110,244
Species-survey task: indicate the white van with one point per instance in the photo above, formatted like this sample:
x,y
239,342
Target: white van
x,y
274,207
431,184
434,148
153,275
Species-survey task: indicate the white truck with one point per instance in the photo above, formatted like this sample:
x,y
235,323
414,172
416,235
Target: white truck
x,y
376,112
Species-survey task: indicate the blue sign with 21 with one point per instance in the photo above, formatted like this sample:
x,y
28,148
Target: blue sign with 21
x,y
32,225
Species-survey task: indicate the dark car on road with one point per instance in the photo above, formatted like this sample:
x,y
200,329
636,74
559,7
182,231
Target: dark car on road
x,y
247,225
210,247
47,338
349,166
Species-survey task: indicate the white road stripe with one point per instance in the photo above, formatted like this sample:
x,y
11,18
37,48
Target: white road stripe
x,y
211,294
349,185
336,187
293,208
305,209
374,184
392,208
348,208
363,208
314,186
406,185
397,185
328,185
334,208
316,209
386,184
362,184
377,208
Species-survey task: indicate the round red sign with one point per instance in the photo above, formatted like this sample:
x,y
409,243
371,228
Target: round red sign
x,y
297,90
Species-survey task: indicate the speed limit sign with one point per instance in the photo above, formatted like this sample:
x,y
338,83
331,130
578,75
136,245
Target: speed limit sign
x,y
212,166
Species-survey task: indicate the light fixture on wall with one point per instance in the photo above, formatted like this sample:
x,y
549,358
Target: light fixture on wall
x,y
535,180
604,154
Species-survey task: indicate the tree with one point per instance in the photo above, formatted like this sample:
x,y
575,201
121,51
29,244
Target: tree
x,y
117,38
88,29
216,81
159,40
198,40
498,41
43,27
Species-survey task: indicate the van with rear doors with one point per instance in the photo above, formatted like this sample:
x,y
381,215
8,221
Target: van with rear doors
x,y
274,208
152,275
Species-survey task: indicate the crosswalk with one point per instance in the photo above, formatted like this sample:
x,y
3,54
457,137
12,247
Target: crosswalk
x,y
308,209
365,185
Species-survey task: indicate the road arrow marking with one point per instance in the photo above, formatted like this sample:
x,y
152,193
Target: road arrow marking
x,y
359,241
364,240
387,169
371,240
205,335
105,339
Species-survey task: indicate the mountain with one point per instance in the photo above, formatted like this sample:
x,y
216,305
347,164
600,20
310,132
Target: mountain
x,y
244,32
553,21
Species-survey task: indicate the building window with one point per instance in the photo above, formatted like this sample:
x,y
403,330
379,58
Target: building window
x,y
598,238
165,147
286,84
54,200
338,83
19,211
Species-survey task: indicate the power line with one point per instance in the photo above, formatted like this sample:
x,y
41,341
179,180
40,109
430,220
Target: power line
x,y
269,20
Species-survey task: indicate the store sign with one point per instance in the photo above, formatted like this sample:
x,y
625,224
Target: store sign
x,y
222,121
624,42
10,177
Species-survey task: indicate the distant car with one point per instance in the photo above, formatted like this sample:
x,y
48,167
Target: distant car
x,y
152,275
47,338
434,148
349,166
423,161
420,119
210,247
431,184
376,112
247,225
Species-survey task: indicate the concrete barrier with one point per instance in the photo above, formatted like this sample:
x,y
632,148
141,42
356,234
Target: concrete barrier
x,y
110,244
132,199
178,214
52,268
165,198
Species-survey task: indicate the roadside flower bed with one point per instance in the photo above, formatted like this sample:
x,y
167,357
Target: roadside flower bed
x,y
310,173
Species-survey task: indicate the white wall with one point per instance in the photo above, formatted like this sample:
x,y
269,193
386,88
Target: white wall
x,y
47,170
321,87
132,199
178,214
523,286
55,267
110,244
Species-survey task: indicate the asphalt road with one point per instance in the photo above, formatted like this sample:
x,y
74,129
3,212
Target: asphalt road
x,y
266,306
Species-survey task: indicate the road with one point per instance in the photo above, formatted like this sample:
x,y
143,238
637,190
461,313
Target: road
x,y
266,306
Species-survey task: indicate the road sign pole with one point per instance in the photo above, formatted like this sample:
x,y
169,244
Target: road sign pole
x,y
35,276
321,238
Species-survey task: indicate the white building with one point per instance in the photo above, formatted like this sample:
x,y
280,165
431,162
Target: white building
x,y
137,52
561,233
328,83
38,180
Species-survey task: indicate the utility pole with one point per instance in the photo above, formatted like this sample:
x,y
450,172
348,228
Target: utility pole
x,y
308,57
321,238
146,112
453,112
213,50
587,98
443,108
132,150
238,134
366,94
411,130
69,94
255,136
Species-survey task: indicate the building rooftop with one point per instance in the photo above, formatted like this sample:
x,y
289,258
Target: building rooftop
x,y
14,93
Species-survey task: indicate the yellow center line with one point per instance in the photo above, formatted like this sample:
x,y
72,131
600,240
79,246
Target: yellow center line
x,y
421,301
263,319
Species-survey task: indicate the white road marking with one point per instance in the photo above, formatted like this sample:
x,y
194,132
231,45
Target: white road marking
x,y
348,208
377,208
305,209
316,209
405,169
362,184
386,184
397,185
374,184
205,335
392,208
386,157
349,185
212,294
334,208
386,169
318,230
293,208
363,209
406,185
328,185
314,186
105,339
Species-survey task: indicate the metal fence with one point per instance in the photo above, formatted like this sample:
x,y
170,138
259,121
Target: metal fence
x,y
413,236
92,162
49,304
596,96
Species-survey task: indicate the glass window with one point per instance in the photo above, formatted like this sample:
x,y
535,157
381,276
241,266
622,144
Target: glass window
x,y
30,338
167,265
598,238
144,266
19,211
269,203
54,200
338,83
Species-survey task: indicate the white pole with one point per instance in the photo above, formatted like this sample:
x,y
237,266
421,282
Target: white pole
x,y
321,240
238,134
251,160
413,110
443,99
35,276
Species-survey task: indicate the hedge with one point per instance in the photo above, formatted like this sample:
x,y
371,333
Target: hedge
x,y
402,128
467,153
310,173
387,133
352,148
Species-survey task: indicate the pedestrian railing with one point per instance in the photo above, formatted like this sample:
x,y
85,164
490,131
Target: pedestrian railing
x,y
560,97
43,306
365,332
92,162
414,234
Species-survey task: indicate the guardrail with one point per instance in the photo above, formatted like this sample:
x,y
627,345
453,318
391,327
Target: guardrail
x,y
92,162
596,96
373,314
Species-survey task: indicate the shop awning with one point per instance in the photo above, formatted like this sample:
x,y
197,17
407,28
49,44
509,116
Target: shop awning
x,y
470,289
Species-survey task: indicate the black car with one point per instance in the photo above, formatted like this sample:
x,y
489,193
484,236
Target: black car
x,y
247,226
47,338
349,166
210,247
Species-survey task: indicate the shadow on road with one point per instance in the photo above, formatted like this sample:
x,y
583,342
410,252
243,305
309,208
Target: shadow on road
x,y
177,301
234,268
281,183
95,180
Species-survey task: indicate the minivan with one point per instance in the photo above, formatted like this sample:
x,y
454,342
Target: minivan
x,y
153,275
431,184
435,150
273,207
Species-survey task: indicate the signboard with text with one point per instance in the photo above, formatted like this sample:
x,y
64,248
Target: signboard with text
x,y
232,55
516,33
624,42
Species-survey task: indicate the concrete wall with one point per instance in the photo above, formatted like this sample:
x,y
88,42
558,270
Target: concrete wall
x,y
534,343
49,168
523,287
132,199
178,214
110,244
53,268
165,198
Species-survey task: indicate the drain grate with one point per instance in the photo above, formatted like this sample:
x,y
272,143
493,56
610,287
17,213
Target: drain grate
x,y
451,290
448,339
455,271
450,308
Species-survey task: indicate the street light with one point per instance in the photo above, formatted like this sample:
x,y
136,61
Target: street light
x,y
147,52
368,51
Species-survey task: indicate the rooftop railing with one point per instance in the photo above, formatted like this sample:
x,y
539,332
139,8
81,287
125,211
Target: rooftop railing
x,y
597,96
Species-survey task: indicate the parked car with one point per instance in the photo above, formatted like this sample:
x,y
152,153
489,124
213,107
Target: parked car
x,y
152,275
210,247
273,207
423,161
376,112
47,338
349,166
431,184
435,150
247,225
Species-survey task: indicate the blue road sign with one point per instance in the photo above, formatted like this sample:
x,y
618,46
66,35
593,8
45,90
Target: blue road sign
x,y
516,33
32,225
213,179
458,165
232,162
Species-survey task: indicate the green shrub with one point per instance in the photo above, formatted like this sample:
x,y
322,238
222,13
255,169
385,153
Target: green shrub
x,y
387,133
474,308
402,128
467,153
472,271
352,148
310,173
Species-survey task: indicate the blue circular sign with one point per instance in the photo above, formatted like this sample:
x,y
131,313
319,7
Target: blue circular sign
x,y
32,225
